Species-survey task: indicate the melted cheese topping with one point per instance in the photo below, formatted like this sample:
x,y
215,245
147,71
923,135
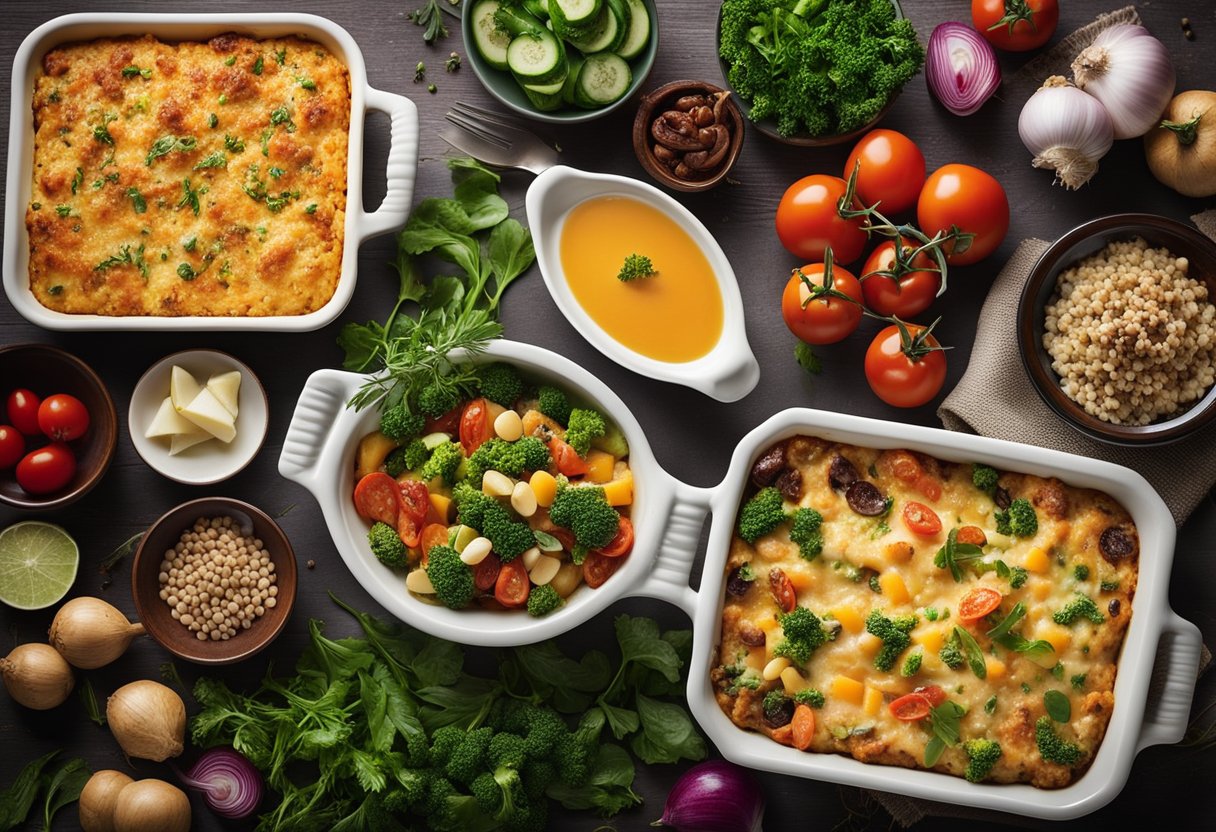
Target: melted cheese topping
x,y
880,564
189,178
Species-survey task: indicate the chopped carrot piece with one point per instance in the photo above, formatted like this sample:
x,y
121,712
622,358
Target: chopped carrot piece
x,y
803,727
783,735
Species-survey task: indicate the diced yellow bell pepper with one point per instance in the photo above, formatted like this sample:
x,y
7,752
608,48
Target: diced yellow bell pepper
x,y
868,643
442,506
847,690
995,667
544,486
371,453
1037,560
801,578
619,492
893,587
871,701
1055,635
849,618
599,466
930,638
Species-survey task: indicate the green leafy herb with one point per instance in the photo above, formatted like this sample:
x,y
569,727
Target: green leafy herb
x,y
258,65
972,652
282,115
126,257
89,699
280,57
108,179
57,289
214,160
949,555
276,172
636,267
430,16
233,144
230,60
944,722
1077,681
137,200
311,209
190,244
132,71
56,784
168,144
190,196
186,272
990,705
1002,634
1057,705
807,359
63,210
101,132
307,83
77,180
213,121
452,64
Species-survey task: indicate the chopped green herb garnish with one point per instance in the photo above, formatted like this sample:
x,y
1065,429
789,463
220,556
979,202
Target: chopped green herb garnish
x,y
63,210
214,160
233,144
213,121
257,66
1109,586
636,266
223,99
949,556
186,272
311,209
190,197
132,71
108,179
167,144
266,135
77,180
1078,681
137,200
57,289
126,257
101,132
230,60
307,83
990,705
190,244
276,172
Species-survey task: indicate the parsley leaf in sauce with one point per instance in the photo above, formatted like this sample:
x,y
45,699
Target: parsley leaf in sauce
x,y
215,160
132,71
137,200
167,144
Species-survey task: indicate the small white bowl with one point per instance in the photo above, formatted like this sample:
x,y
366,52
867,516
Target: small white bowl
x,y
207,462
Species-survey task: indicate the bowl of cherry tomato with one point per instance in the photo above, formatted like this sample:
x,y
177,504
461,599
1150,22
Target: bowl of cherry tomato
x,y
58,428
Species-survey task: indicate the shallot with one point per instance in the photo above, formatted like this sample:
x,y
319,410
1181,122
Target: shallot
x,y
1067,130
714,796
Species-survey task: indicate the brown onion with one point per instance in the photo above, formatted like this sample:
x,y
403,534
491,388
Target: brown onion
x,y
98,798
36,676
90,633
152,806
148,720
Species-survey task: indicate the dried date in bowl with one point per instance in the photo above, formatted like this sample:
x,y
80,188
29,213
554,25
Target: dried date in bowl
x,y
688,134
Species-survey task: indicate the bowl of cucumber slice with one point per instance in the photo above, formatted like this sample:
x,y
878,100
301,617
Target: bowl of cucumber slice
x,y
561,61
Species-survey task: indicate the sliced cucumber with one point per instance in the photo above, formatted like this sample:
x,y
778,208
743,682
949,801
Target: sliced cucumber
x,y
543,102
604,78
490,40
554,88
575,19
607,35
639,30
516,21
538,8
537,59
576,66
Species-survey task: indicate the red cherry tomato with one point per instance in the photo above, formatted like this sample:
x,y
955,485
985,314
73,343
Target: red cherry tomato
x,y
512,587
911,707
969,198
933,693
47,469
485,574
903,289
824,318
12,446
978,602
448,423
23,411
972,535
622,543
414,504
892,170
597,568
566,459
899,380
808,221
1016,27
475,425
63,417
433,534
921,519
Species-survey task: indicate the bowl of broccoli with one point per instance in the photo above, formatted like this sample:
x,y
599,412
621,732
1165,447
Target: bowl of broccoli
x,y
816,72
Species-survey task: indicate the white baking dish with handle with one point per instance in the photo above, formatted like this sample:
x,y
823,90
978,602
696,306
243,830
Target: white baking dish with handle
x,y
360,224
668,516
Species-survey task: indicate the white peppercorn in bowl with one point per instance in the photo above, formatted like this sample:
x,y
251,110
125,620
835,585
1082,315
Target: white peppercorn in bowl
x,y
1091,238
241,580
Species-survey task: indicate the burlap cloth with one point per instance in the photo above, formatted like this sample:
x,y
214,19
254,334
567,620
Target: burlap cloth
x,y
995,398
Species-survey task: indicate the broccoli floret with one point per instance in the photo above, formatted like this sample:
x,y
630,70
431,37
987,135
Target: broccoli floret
x,y
585,511
636,266
1017,577
1081,606
984,478
1080,572
911,665
740,677
1051,747
452,579
400,425
471,504
584,425
387,545
804,530
951,653
803,633
500,383
810,696
506,749
541,727
438,791
510,458
537,775
531,816
981,757
775,704
554,404
761,514
434,400
894,635
543,600
411,457
573,754
534,452
469,757
443,742
1018,520
510,538
444,461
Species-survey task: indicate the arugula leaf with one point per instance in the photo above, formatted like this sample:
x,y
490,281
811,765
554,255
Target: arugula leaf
x,y
944,722
668,734
64,788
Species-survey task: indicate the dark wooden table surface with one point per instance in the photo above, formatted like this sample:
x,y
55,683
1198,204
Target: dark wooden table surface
x,y
692,436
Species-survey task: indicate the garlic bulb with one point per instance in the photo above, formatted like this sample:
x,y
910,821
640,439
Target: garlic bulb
x,y
1066,130
1130,72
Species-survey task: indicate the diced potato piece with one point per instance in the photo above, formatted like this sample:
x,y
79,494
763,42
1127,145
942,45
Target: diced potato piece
x,y
774,668
871,701
599,466
850,619
544,486
996,667
868,643
371,453
893,587
930,638
442,506
619,492
1037,560
846,690
793,681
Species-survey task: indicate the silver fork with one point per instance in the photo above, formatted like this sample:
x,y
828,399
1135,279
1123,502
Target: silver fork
x,y
491,138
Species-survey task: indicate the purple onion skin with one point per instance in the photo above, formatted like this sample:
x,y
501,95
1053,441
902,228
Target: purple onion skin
x,y
942,78
714,796
216,770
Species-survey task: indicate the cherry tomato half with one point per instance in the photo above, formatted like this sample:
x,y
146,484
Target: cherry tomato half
x,y
899,380
824,319
433,534
1016,26
448,423
566,459
475,425
933,693
967,197
978,602
415,502
910,707
23,411
378,498
512,587
485,574
921,519
622,543
12,446
892,170
808,221
890,290
597,569
972,535
63,417
47,469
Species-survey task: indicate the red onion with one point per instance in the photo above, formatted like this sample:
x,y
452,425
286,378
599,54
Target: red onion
x,y
714,796
961,68
229,783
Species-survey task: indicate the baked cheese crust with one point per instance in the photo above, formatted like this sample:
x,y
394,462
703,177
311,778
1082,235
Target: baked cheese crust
x,y
1085,547
189,178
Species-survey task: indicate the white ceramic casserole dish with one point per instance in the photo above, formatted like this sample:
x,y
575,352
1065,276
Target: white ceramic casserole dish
x,y
668,515
360,224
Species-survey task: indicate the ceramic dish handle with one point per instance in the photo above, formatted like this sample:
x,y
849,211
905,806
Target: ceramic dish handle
x,y
668,579
321,402
402,164
1168,712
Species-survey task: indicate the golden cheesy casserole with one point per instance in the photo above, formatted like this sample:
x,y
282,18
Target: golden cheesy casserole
x,y
188,178
911,612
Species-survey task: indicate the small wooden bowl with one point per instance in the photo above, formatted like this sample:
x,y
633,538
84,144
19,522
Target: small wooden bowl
x,y
664,98
156,615
48,370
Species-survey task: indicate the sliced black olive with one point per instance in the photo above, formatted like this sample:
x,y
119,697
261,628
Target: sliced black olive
x,y
1116,544
842,473
736,584
790,484
779,712
769,465
1113,608
1002,498
865,499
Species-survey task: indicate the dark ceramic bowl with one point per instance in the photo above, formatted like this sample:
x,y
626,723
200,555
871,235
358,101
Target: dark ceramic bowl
x,y
155,614
47,370
664,98
1083,241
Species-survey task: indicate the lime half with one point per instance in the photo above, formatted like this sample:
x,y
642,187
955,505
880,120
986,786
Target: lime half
x,y
38,564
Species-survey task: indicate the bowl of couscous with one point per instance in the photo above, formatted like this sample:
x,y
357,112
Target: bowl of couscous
x,y
1117,329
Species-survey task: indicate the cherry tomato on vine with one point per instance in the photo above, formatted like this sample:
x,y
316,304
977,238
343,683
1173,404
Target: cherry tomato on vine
x,y
12,446
966,197
1016,25
905,374
63,417
46,469
814,313
23,411
892,170
808,221
903,285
